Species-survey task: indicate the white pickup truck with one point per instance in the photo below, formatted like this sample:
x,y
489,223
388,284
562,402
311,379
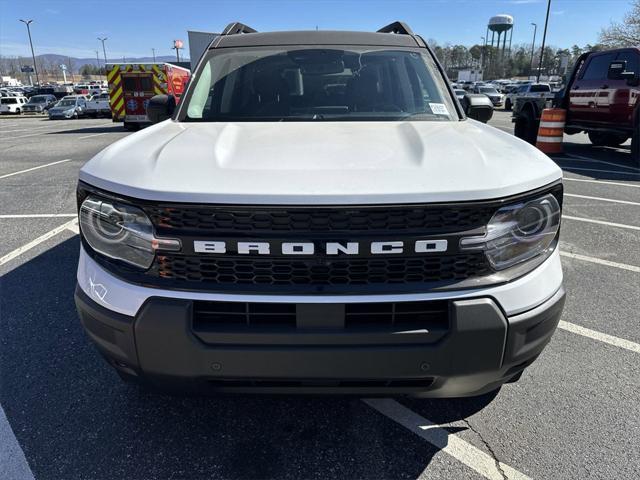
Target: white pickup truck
x,y
99,105
528,90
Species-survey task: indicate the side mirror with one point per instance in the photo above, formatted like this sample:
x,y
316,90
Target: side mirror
x,y
161,107
618,71
478,107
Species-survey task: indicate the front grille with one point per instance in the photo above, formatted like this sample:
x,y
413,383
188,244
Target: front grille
x,y
258,220
319,271
242,316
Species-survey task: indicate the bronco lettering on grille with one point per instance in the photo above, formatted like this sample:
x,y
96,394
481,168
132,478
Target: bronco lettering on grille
x,y
323,248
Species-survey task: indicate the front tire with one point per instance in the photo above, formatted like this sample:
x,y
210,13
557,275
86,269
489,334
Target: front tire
x,y
507,105
526,127
603,139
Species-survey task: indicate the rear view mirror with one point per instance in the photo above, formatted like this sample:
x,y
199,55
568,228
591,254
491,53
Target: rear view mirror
x,y
618,71
477,107
161,107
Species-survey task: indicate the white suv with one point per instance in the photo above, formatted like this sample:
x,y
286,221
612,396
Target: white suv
x,y
318,214
12,104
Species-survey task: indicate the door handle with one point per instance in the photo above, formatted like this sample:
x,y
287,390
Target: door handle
x,y
604,86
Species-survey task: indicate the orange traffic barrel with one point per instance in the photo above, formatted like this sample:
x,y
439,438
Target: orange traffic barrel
x,y
551,130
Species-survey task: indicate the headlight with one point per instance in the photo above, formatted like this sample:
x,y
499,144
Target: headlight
x,y
121,232
518,233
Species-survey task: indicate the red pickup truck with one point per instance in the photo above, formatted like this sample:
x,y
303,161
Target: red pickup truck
x,y
602,99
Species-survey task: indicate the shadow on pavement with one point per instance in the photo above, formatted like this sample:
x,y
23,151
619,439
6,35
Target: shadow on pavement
x,y
74,418
88,130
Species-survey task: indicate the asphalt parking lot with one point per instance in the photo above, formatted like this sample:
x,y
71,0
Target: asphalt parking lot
x,y
65,415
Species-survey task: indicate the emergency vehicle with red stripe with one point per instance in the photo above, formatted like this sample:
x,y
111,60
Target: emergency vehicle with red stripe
x,y
131,86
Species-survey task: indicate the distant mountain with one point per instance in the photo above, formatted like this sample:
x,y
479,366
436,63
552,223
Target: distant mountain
x,y
78,62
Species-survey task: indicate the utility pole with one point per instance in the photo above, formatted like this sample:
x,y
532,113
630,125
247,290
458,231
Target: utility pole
x,y
33,55
544,38
104,51
484,41
153,50
533,46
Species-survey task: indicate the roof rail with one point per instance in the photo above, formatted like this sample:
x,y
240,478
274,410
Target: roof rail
x,y
399,28
235,28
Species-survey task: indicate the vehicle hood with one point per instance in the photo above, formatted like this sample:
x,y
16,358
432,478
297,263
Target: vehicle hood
x,y
61,109
320,163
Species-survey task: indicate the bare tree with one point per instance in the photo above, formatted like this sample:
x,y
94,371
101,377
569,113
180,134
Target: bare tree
x,y
625,34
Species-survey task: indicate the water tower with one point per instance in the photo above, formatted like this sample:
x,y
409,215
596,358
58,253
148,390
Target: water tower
x,y
503,26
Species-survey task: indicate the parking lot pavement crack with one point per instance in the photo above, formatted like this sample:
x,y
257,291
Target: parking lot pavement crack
x,y
488,447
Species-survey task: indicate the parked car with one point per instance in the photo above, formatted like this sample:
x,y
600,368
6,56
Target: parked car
x,y
39,104
320,218
460,93
12,104
81,89
602,99
491,92
528,90
68,107
98,105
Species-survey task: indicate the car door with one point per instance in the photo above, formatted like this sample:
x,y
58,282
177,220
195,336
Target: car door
x,y
624,96
589,95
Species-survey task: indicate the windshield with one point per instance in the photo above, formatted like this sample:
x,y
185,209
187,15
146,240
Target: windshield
x,y
488,90
38,99
66,103
540,88
275,84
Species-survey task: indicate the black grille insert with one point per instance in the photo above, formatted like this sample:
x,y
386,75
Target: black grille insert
x,y
429,315
191,269
257,220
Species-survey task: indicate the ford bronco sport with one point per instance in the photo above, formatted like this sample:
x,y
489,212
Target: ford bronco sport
x,y
319,215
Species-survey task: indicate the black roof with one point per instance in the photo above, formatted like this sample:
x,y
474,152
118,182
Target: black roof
x,y
396,34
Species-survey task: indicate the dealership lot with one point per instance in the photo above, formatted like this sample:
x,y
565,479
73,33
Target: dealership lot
x,y
574,414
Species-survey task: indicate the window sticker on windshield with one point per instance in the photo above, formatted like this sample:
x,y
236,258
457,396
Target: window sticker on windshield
x,y
438,109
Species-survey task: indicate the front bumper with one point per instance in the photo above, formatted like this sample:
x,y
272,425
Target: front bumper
x,y
480,349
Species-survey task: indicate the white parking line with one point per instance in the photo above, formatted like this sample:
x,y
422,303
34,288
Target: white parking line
x,y
439,437
601,222
41,215
600,261
619,184
34,168
570,169
602,337
13,464
34,243
593,160
602,199
94,135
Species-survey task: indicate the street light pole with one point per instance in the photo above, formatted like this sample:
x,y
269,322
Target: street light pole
x,y
484,40
104,51
33,55
544,38
533,46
